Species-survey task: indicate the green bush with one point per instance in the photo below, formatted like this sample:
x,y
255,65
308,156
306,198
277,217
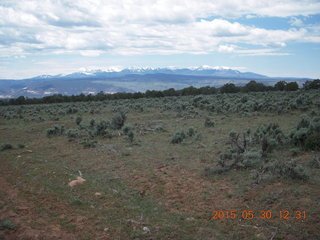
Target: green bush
x,y
289,169
78,120
126,129
304,122
6,146
272,133
313,141
315,162
252,159
130,136
8,224
209,123
73,133
118,120
295,151
92,123
307,133
20,145
299,136
178,137
101,128
191,132
55,131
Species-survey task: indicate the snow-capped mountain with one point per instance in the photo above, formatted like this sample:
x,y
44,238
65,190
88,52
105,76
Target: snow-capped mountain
x,y
205,70
117,79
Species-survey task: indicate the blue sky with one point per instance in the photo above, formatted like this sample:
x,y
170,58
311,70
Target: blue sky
x,y
271,37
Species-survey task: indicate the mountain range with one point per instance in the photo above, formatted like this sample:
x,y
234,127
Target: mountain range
x,y
133,79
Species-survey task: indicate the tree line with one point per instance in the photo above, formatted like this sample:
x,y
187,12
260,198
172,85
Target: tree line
x,y
251,86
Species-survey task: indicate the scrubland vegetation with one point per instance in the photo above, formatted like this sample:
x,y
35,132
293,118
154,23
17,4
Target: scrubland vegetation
x,y
161,166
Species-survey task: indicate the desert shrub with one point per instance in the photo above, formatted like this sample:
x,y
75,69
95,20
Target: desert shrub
x,y
72,110
269,136
289,169
294,151
130,136
252,159
55,131
118,120
73,133
8,224
304,122
315,124
312,141
315,162
78,120
21,145
244,99
138,108
196,101
243,152
271,131
307,133
101,128
178,137
126,129
6,146
299,136
209,122
191,132
92,123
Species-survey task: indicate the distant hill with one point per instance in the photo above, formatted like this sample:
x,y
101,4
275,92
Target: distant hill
x,y
111,80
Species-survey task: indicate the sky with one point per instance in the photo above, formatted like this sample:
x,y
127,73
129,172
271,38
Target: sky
x,y
278,38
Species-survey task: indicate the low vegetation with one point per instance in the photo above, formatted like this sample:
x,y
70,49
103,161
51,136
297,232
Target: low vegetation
x,y
157,167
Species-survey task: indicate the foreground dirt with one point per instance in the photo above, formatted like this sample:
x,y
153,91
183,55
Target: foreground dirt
x,y
183,191
31,224
23,212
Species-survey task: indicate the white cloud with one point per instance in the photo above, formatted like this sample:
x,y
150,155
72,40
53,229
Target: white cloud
x,y
296,22
91,53
226,48
128,27
251,52
261,52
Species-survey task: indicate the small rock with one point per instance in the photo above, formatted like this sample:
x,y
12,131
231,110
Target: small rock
x,y
190,219
97,194
106,229
146,230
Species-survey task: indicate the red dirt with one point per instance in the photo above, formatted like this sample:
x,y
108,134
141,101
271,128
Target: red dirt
x,y
32,225
184,191
22,213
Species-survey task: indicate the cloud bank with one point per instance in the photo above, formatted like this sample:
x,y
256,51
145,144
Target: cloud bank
x,y
128,27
